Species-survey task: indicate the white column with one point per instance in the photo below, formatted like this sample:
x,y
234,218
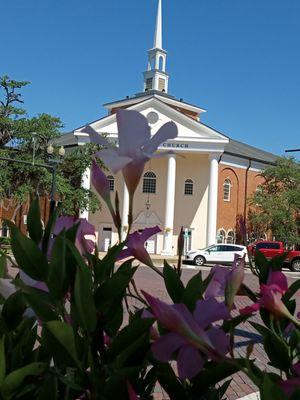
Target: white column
x,y
170,206
85,184
125,212
212,206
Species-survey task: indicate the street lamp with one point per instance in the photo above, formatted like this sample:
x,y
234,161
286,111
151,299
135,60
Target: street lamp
x,y
54,165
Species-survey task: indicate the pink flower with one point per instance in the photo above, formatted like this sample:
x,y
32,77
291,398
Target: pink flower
x,y
101,184
271,296
131,392
136,146
292,384
192,336
136,245
83,244
226,280
235,280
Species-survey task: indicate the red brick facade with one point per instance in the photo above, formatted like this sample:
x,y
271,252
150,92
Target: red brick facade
x,y
11,211
243,183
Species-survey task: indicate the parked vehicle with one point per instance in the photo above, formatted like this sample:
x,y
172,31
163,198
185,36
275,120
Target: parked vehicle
x,y
219,253
272,249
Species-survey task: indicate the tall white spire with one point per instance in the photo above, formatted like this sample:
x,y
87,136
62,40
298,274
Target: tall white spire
x,y
158,30
156,77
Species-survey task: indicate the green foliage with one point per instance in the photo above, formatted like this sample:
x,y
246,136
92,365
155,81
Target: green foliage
x,y
277,202
20,181
71,332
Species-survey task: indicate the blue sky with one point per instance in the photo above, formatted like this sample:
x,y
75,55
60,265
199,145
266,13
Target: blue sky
x,y
238,59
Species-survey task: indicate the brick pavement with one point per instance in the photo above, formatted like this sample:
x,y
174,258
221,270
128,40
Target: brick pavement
x,y
241,386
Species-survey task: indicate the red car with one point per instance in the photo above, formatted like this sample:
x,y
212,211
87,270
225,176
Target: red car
x,y
271,249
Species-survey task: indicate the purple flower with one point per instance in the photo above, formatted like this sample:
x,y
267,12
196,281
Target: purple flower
x,y
84,245
292,384
192,336
136,245
226,280
136,146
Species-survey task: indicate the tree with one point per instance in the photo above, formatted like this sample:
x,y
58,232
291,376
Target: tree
x,y
276,203
26,139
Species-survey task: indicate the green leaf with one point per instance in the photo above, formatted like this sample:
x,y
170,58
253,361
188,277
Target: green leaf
x,y
2,360
277,262
15,379
13,309
169,381
129,334
40,302
2,265
34,223
48,230
49,389
173,283
271,390
27,254
103,268
193,291
292,290
113,289
64,338
275,347
83,297
261,264
213,373
57,268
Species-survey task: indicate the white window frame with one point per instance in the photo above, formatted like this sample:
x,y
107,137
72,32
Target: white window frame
x,y
227,183
149,183
111,181
188,184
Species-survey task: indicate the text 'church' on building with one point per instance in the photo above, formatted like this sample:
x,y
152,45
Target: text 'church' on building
x,y
203,186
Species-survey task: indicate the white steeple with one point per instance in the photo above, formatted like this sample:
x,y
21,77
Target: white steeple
x,y
158,30
156,78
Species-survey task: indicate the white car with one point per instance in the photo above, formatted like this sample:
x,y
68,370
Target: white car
x,y
218,253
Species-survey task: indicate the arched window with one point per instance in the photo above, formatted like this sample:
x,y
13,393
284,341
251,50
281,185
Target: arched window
x,y
221,236
111,181
227,190
149,182
161,63
188,187
230,237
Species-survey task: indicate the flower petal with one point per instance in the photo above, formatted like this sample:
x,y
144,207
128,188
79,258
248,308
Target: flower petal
x,y
250,309
166,345
209,311
96,137
113,160
148,232
100,181
279,279
6,288
167,131
219,340
189,362
217,284
133,131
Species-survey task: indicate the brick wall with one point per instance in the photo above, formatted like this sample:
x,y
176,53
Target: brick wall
x,y
243,185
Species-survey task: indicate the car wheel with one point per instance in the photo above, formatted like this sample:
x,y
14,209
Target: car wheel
x,y
295,266
199,260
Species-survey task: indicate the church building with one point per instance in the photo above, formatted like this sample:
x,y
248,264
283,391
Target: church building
x,y
203,186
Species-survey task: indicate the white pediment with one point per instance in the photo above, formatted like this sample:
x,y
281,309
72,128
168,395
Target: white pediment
x,y
147,219
189,130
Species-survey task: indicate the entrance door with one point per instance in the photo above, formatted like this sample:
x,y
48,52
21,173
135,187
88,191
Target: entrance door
x,y
187,234
150,245
106,239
